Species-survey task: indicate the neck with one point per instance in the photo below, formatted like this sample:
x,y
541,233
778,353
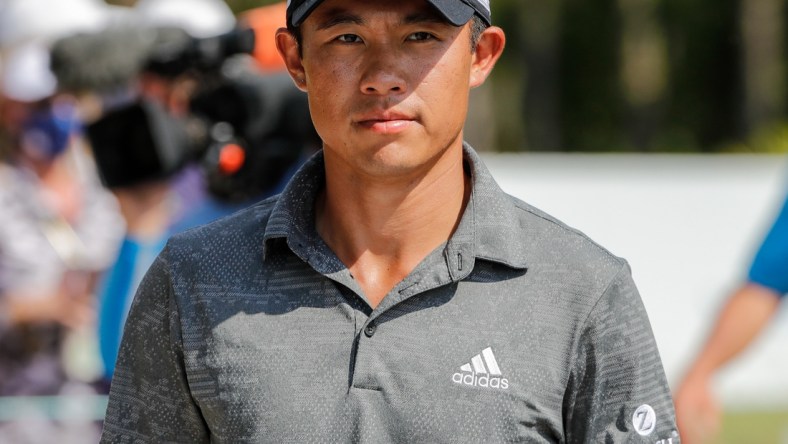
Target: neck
x,y
146,209
381,229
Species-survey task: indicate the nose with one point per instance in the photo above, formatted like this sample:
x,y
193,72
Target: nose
x,y
384,75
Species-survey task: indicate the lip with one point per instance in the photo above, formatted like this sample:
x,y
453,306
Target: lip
x,y
389,122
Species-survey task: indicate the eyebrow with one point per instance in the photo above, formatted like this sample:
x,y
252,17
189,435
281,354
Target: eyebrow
x,y
338,16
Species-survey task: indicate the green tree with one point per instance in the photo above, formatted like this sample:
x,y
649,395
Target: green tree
x,y
705,93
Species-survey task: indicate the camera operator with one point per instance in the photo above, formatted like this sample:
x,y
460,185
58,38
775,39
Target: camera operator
x,y
191,130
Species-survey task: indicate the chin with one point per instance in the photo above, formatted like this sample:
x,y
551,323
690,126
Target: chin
x,y
394,156
401,160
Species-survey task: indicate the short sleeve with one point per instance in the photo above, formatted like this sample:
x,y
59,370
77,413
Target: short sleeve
x,y
150,400
617,391
770,265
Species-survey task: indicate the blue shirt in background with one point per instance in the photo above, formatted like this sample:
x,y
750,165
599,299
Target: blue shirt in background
x,y
770,266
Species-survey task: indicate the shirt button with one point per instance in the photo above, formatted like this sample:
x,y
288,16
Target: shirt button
x,y
370,330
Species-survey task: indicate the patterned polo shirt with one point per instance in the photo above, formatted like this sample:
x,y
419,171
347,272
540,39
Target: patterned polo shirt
x,y
517,329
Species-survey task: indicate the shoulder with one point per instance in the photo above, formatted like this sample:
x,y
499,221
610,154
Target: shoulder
x,y
230,235
562,262
512,232
768,266
553,240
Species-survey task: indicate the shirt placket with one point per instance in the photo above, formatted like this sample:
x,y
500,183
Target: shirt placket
x,y
451,263
438,269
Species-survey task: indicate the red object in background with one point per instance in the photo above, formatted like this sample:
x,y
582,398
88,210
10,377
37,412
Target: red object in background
x,y
231,158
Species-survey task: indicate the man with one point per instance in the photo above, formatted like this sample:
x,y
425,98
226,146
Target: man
x,y
392,293
59,230
747,311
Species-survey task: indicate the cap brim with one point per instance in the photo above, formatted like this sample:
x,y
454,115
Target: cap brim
x,y
456,12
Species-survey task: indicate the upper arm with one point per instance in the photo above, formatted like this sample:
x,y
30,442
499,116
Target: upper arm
x,y
150,397
617,379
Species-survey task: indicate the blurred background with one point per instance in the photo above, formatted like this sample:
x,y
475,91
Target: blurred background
x,y
657,127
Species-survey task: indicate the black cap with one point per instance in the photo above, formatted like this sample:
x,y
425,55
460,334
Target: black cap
x,y
457,12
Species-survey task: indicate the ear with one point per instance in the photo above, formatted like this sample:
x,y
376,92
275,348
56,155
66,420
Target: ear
x,y
287,46
488,51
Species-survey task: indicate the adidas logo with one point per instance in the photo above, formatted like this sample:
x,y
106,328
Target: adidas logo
x,y
482,371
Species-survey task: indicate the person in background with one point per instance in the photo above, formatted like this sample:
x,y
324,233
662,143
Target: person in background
x,y
746,312
152,207
59,229
157,208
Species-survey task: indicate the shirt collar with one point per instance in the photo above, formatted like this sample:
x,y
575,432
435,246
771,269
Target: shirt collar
x,y
293,215
490,228
491,219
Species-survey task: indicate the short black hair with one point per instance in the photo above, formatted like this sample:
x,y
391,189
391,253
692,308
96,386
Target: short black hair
x,y
478,25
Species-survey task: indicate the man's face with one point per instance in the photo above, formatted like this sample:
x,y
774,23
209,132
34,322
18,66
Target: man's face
x,y
388,83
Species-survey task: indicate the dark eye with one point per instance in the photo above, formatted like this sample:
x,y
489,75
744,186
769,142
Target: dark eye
x,y
349,38
419,36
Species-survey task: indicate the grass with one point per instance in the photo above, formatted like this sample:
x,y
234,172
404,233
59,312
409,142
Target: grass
x,y
754,427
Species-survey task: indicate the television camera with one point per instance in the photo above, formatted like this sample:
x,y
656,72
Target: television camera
x,y
245,127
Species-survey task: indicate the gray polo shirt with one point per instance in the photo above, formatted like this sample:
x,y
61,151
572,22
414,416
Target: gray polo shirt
x,y
518,329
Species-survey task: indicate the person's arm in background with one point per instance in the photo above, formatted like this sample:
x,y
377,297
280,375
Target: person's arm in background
x,y
743,317
745,314
69,305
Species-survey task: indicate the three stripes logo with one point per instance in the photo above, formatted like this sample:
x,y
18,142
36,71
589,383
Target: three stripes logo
x,y
482,371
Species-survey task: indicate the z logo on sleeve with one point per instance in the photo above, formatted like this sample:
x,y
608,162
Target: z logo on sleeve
x,y
644,419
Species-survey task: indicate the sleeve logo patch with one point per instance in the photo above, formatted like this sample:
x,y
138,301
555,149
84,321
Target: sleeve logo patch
x,y
644,419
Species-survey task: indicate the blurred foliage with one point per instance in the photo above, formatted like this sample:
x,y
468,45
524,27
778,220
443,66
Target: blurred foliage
x,y
771,139
636,75
704,102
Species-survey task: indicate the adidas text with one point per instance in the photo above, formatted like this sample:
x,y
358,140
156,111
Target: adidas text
x,y
475,380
